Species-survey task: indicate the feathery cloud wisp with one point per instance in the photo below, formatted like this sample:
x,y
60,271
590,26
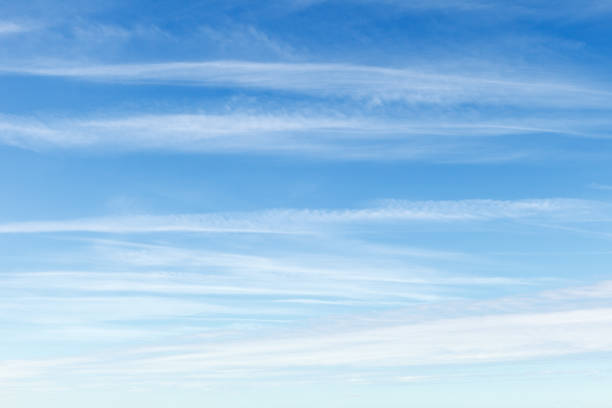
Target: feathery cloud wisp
x,y
330,137
360,81
303,221
13,28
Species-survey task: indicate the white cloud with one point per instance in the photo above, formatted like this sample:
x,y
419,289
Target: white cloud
x,y
598,186
12,28
412,85
466,5
533,9
465,340
501,330
298,221
328,135
600,290
243,39
20,369
321,136
461,340
173,282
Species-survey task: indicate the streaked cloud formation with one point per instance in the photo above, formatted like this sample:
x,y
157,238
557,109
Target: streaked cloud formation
x,y
434,115
407,85
12,28
302,221
311,203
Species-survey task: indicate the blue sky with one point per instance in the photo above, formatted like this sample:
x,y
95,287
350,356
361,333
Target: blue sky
x,y
341,203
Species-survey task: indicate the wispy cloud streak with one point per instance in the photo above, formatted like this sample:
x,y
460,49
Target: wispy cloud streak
x,y
463,340
481,339
12,28
304,221
534,10
340,136
416,85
